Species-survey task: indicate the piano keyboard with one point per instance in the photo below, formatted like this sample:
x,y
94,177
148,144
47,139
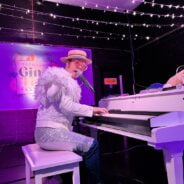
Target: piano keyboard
x,y
135,116
126,116
127,122
137,122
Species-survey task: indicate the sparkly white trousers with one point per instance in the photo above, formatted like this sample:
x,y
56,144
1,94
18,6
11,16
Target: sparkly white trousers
x,y
62,139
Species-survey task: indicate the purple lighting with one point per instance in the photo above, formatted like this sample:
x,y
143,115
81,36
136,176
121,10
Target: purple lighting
x,y
20,67
102,4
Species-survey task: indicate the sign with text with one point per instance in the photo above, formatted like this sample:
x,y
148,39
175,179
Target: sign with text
x,y
110,81
20,67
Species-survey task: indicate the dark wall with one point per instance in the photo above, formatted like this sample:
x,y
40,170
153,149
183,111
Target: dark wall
x,y
158,61
112,62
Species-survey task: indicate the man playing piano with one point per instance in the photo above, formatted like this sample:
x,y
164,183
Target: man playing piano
x,y
58,93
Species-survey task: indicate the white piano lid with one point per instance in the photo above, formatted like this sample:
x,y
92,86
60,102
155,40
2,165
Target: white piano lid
x,y
102,4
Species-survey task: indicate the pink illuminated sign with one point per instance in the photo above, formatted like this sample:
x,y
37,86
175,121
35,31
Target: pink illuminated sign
x,y
20,67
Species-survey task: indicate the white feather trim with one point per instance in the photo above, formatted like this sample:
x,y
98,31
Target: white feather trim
x,y
62,80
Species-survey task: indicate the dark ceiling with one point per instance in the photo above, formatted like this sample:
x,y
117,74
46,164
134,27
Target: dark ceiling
x,y
50,23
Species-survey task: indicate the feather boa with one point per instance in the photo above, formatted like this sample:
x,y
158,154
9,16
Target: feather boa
x,y
61,78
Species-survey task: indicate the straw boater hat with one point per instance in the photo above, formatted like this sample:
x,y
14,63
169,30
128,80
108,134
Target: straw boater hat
x,y
76,54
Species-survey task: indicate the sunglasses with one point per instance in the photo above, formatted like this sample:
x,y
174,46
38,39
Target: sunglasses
x,y
80,64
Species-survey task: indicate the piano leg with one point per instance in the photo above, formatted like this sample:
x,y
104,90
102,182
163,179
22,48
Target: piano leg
x,y
173,162
174,167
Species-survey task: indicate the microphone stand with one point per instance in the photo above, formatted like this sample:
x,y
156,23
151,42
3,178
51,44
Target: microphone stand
x,y
85,81
132,57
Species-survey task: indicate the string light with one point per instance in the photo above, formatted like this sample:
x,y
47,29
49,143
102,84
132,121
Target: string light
x,y
64,26
169,6
27,11
134,13
93,31
70,35
97,22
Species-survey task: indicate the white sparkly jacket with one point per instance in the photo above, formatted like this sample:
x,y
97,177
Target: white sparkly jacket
x,y
59,94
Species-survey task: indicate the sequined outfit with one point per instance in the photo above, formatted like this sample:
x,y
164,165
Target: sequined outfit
x,y
61,139
59,94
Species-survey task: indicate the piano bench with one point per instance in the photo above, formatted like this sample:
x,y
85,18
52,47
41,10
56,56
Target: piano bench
x,y
45,163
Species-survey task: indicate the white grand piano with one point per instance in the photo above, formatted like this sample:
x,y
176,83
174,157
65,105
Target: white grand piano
x,y
155,117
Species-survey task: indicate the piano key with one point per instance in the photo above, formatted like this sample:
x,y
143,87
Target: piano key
x,y
127,116
119,111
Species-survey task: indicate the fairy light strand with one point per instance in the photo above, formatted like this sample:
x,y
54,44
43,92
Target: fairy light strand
x,y
124,11
69,27
169,6
173,16
25,31
132,12
97,31
92,21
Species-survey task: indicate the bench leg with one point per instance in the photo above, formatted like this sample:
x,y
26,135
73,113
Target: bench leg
x,y
28,172
76,175
38,179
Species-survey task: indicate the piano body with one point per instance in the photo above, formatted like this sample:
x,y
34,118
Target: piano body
x,y
156,117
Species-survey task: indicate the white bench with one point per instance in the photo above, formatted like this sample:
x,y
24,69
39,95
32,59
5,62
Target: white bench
x,y
48,163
